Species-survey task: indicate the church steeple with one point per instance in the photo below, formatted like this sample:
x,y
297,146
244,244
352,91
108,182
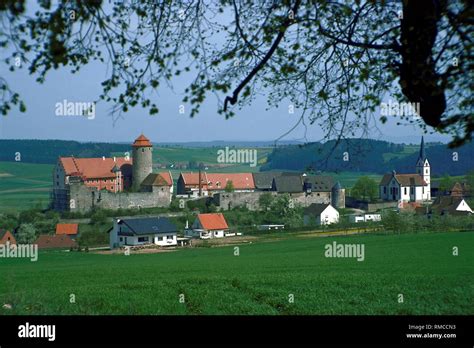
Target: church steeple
x,y
422,156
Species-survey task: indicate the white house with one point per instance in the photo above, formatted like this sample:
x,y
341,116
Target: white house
x,y
208,226
365,218
321,214
408,187
140,231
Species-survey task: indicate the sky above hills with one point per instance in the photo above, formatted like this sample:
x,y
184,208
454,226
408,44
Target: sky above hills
x,y
252,123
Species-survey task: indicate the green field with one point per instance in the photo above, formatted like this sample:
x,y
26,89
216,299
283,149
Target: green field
x,y
260,280
24,185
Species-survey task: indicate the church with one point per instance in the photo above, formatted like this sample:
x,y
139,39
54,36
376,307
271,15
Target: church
x,y
414,187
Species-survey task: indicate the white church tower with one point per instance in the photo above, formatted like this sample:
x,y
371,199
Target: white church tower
x,y
423,169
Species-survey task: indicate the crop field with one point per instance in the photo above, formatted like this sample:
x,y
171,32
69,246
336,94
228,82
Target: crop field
x,y
260,280
24,185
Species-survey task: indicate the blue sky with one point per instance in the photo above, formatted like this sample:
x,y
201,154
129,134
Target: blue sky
x,y
252,123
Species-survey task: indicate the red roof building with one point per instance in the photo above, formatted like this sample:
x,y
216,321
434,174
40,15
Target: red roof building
x,y
7,237
188,183
211,222
67,229
62,241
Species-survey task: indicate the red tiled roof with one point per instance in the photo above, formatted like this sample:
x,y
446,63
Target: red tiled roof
x,y
142,141
168,178
46,241
218,181
92,167
214,221
7,236
69,229
404,179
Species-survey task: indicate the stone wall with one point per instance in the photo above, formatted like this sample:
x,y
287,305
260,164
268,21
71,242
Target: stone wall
x,y
226,201
84,199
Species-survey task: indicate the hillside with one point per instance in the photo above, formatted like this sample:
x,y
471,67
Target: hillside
x,y
365,155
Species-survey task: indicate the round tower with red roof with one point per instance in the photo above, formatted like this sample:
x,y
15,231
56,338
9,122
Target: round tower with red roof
x,y
142,161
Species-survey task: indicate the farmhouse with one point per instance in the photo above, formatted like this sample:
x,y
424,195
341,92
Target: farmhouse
x,y
208,226
46,241
67,229
140,231
7,236
449,205
321,214
408,187
84,184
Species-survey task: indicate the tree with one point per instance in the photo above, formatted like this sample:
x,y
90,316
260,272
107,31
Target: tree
x,y
265,201
446,183
229,187
365,189
26,234
334,61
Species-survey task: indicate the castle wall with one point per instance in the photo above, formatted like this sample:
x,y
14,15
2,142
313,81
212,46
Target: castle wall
x,y
84,199
226,201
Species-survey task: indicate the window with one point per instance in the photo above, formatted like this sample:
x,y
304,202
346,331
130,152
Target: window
x,y
426,171
412,189
385,189
169,237
143,150
160,238
405,190
121,239
142,239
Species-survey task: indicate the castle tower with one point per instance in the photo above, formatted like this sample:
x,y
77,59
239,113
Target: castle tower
x,y
423,168
142,161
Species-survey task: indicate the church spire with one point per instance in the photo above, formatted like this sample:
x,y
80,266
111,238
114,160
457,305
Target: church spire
x,y
422,150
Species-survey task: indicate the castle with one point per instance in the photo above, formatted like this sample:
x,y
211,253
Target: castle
x,y
414,187
84,184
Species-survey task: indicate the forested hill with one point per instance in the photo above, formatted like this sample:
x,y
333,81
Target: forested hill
x,y
366,155
48,151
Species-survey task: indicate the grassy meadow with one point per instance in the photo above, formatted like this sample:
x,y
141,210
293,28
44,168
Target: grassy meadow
x,y
24,185
260,280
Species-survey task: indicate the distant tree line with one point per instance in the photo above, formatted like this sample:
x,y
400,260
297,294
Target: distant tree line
x,y
367,155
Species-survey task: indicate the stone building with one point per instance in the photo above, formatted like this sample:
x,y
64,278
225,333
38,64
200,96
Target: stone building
x,y
302,190
83,184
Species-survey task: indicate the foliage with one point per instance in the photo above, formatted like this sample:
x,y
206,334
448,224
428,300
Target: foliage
x,y
365,189
26,234
333,60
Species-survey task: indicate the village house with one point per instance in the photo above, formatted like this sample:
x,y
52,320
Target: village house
x,y
57,241
206,184
71,230
446,205
140,231
207,226
321,214
7,237
408,187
